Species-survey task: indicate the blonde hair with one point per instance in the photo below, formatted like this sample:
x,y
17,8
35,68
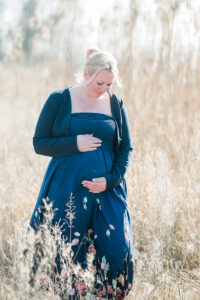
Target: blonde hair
x,y
98,60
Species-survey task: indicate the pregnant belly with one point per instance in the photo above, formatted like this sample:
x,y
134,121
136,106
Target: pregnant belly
x,y
96,163
84,165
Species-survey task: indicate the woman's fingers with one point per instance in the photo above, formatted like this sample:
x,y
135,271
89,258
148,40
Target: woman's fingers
x,y
95,186
94,143
87,142
94,139
99,190
99,179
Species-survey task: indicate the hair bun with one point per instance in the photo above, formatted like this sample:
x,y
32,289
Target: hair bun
x,y
92,50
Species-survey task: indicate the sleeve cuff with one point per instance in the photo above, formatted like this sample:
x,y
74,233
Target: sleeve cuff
x,y
75,144
110,185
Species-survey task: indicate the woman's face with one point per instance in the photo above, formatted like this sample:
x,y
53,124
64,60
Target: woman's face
x,y
100,84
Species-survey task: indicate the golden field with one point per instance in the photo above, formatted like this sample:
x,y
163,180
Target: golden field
x,y
163,178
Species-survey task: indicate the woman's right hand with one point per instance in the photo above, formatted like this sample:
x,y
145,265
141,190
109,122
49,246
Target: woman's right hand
x,y
87,142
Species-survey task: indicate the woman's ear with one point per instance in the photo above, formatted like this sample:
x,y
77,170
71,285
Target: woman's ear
x,y
85,74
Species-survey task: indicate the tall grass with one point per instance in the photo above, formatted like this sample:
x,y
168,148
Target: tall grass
x,y
42,264
163,178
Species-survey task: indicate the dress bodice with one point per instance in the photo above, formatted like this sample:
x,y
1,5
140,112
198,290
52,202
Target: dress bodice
x,y
100,125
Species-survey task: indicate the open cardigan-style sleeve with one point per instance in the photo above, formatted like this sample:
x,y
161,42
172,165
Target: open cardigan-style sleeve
x,y
43,141
123,155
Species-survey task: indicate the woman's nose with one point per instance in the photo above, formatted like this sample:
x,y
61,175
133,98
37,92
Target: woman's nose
x,y
105,89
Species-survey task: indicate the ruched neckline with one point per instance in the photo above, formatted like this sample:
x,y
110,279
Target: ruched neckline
x,y
91,115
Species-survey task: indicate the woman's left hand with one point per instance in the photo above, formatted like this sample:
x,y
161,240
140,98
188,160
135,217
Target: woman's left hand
x,y
97,185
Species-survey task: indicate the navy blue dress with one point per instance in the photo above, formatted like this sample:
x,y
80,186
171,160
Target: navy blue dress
x,y
104,217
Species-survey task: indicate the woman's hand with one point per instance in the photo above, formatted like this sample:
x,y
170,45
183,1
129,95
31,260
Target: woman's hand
x,y
97,185
87,142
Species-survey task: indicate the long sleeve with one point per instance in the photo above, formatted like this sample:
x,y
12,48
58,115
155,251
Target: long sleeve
x,y
123,155
43,141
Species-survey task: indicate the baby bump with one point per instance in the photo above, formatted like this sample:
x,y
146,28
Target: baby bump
x,y
84,165
96,163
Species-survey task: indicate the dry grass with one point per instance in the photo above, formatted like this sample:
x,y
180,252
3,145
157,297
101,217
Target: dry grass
x,y
163,179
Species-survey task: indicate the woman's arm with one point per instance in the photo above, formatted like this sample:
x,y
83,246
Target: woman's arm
x,y
123,155
43,142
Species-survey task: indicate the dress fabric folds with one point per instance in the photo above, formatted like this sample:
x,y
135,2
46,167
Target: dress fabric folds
x,y
104,216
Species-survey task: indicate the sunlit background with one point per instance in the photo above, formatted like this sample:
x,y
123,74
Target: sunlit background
x,y
43,48
36,30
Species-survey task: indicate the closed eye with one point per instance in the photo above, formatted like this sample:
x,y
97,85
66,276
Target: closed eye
x,y
99,83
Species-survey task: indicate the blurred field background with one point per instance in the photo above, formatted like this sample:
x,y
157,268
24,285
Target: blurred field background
x,y
157,45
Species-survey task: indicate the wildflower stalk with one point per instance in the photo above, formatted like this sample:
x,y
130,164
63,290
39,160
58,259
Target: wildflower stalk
x,y
81,243
49,260
70,216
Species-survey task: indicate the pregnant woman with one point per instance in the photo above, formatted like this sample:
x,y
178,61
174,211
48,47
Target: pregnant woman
x,y
85,129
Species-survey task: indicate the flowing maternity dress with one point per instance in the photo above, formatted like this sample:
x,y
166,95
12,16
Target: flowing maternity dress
x,y
103,216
